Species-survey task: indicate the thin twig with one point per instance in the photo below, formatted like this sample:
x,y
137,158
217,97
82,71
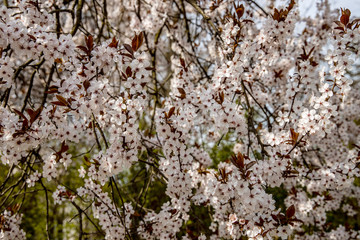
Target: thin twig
x,y
78,17
47,210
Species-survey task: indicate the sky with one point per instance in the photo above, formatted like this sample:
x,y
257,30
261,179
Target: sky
x,y
352,5
309,6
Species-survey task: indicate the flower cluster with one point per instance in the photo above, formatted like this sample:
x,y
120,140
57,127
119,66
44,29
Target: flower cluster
x,y
144,97
10,226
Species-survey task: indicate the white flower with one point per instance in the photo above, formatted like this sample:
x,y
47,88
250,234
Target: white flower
x,y
282,118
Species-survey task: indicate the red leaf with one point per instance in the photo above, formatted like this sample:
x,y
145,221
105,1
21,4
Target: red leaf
x,y
137,41
89,43
240,11
128,72
32,37
294,136
114,43
52,89
25,120
171,112
86,84
62,100
141,39
58,103
34,114
30,112
64,147
83,48
290,212
340,24
182,62
181,91
127,55
128,48
250,164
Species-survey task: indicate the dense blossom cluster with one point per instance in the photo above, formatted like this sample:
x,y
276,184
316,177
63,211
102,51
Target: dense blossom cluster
x,y
157,85
10,226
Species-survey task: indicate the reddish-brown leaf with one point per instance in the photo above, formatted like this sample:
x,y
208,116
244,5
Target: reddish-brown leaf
x,y
25,120
149,68
89,43
240,11
182,62
247,21
58,103
52,89
114,43
181,91
171,112
86,84
58,60
250,164
276,15
87,162
34,114
136,214
344,19
83,48
294,136
127,55
128,72
291,5
137,42
290,212
340,24
129,49
141,39
64,147
62,99
221,96
238,160
32,37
